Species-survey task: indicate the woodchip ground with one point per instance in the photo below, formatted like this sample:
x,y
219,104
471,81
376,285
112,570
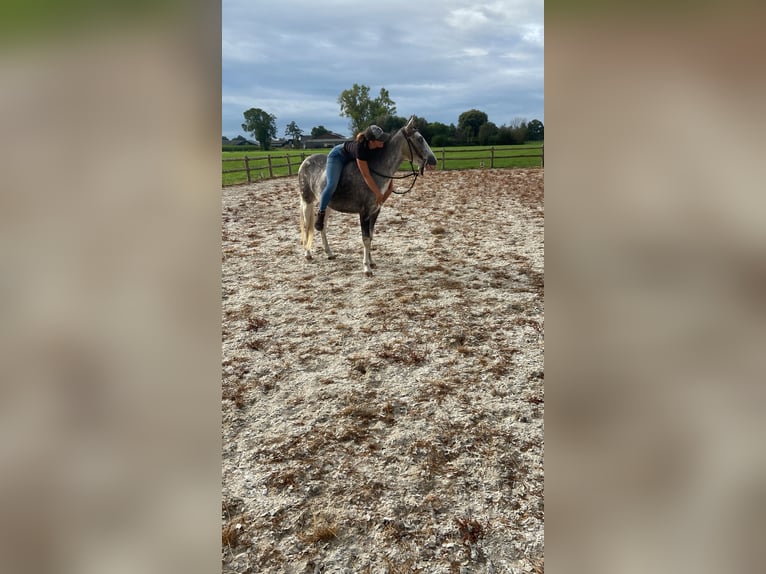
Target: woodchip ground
x,y
392,423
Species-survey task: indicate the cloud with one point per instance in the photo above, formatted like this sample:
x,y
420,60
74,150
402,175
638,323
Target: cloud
x,y
295,59
475,52
466,18
239,50
534,34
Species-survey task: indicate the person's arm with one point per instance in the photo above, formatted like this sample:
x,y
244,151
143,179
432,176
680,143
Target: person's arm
x,y
389,190
379,198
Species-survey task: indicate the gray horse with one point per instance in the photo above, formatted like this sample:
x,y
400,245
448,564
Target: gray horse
x,y
352,194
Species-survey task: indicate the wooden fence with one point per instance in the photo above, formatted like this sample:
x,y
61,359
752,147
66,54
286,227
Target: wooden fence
x,y
278,165
495,158
265,168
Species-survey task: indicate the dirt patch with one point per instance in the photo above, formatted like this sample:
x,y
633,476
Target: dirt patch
x,y
393,423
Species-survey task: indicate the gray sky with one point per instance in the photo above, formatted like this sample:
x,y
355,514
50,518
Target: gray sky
x,y
436,59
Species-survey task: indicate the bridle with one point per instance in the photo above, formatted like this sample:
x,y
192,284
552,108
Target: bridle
x,y
414,173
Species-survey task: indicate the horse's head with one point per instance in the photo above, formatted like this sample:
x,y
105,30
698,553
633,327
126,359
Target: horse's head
x,y
417,149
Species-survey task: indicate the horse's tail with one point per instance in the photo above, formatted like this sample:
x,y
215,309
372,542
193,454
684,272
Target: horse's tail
x,y
307,225
310,175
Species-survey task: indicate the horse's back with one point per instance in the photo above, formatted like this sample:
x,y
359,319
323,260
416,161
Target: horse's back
x,y
351,195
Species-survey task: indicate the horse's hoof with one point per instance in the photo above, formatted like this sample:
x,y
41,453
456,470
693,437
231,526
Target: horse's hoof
x,y
331,256
374,265
308,256
368,273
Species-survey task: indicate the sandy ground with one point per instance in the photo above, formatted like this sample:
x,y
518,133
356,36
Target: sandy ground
x,y
392,423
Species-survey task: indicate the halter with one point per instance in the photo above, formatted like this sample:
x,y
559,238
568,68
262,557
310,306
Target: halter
x,y
414,172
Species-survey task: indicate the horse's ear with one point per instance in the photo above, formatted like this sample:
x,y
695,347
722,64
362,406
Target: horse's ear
x,y
410,124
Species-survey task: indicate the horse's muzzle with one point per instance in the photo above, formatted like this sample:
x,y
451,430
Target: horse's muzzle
x,y
431,160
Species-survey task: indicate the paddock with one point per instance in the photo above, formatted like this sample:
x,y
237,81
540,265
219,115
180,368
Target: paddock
x,y
391,423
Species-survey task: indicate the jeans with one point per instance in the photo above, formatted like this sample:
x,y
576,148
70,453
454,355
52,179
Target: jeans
x,y
336,159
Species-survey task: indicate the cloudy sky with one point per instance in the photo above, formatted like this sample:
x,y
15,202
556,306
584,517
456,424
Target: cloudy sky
x,y
436,59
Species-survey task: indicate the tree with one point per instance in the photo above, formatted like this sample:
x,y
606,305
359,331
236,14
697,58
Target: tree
x,y
356,105
487,134
319,131
261,125
536,130
505,136
519,130
514,134
390,123
469,123
293,132
438,134
422,125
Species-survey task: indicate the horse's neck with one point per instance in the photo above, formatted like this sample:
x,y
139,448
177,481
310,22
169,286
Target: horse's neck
x,y
391,155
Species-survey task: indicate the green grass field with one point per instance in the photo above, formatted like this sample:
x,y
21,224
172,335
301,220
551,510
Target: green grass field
x,y
287,161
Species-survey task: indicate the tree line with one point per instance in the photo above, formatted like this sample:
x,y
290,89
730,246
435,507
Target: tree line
x,y
473,126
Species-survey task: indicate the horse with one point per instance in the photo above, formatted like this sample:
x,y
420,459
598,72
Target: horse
x,y
352,194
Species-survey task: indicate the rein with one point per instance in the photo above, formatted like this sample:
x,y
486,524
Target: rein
x,y
414,172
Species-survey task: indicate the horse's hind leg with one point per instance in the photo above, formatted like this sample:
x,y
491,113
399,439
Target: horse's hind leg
x,y
323,235
307,228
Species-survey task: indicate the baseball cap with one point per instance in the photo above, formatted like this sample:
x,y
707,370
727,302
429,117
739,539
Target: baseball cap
x,y
375,133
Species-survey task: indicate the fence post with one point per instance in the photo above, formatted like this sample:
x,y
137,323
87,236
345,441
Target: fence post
x,y
443,160
289,165
271,170
247,169
492,157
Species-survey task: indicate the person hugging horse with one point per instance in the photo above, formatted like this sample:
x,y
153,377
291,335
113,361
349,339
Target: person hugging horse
x,y
362,149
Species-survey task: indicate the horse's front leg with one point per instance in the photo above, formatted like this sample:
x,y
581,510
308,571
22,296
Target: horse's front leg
x,y
373,219
367,225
